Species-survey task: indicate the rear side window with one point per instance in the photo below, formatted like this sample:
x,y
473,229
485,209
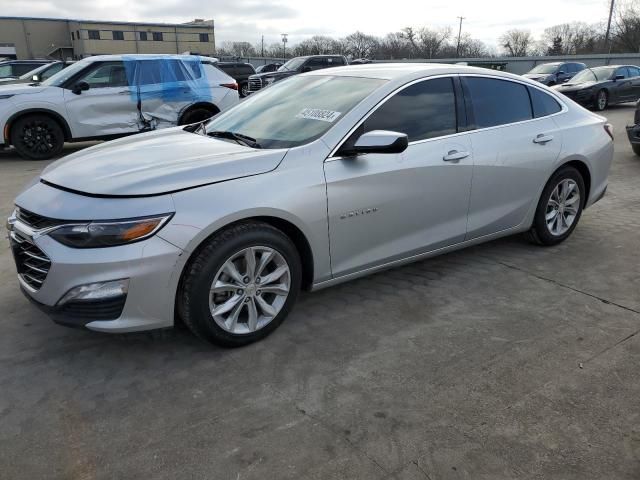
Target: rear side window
x,y
245,70
497,102
423,110
543,104
150,72
633,71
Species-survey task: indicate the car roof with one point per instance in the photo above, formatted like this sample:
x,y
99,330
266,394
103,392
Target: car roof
x,y
43,61
144,56
407,71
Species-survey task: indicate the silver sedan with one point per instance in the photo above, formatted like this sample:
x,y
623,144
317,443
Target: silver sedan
x,y
316,180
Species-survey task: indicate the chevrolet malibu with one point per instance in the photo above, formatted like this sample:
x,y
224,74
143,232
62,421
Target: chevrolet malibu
x,y
319,179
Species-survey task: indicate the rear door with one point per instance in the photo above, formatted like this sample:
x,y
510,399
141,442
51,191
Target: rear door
x,y
107,108
634,77
623,87
384,207
513,146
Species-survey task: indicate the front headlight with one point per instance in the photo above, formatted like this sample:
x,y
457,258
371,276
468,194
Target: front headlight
x,y
101,234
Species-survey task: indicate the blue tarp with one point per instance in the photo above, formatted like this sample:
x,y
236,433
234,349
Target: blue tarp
x,y
176,78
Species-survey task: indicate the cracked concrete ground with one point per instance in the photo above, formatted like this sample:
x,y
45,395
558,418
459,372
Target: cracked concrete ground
x,y
505,360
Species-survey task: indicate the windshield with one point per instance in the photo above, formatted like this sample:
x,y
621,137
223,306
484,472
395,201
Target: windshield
x,y
65,74
597,74
545,68
293,64
31,73
6,71
295,111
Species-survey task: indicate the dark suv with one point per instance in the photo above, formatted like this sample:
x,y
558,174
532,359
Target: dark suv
x,y
294,67
633,131
555,73
240,72
15,68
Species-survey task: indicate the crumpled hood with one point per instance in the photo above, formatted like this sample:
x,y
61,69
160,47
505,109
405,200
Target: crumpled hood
x,y
158,162
21,89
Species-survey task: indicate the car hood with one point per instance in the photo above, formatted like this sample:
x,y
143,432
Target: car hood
x,y
573,86
20,89
158,162
276,75
535,76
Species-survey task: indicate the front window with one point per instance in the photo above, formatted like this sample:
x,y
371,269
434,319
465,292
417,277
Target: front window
x,y
597,74
293,64
545,68
295,111
6,71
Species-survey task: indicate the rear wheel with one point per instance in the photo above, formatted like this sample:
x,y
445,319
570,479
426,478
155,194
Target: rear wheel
x,y
37,137
602,100
559,208
241,285
195,115
244,89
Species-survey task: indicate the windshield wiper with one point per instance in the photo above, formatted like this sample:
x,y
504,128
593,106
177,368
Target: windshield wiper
x,y
238,137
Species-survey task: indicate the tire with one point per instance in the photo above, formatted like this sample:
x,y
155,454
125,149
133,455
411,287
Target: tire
x,y
244,90
602,100
197,303
37,137
197,114
542,231
636,148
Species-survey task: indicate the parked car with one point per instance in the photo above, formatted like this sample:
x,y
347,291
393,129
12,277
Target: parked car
x,y
293,67
555,73
633,131
15,68
600,87
360,61
104,97
240,72
223,223
269,67
39,74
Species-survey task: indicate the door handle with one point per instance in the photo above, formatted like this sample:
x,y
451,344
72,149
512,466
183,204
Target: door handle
x,y
124,92
542,138
455,155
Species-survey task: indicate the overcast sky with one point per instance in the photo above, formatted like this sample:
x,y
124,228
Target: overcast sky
x,y
249,19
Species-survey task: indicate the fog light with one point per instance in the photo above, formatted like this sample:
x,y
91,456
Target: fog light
x,y
96,291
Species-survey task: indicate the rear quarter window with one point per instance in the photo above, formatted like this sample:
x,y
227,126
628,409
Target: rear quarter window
x,y
543,104
497,102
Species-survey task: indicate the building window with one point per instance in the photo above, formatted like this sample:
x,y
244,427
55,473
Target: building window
x,y
143,36
204,37
73,36
78,34
157,36
118,35
94,34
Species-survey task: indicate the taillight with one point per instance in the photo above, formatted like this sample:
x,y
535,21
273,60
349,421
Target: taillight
x,y
609,129
232,86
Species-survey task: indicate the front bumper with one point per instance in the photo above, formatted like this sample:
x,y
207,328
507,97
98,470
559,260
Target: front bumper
x,y
583,97
148,265
633,132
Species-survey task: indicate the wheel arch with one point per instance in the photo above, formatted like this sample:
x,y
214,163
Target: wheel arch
x,y
584,171
30,111
208,105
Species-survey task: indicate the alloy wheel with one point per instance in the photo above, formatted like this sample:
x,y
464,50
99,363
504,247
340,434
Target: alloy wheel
x,y
249,290
38,137
602,100
563,207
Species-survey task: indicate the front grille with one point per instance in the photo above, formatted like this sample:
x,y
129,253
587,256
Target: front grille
x,y
32,263
255,84
35,221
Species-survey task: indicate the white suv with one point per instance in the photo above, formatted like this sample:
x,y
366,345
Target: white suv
x,y
109,96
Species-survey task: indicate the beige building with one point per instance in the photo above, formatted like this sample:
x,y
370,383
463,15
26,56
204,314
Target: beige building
x,y
28,38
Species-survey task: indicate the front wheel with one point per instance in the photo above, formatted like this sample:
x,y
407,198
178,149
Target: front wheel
x,y
602,100
636,148
37,137
244,90
559,208
241,285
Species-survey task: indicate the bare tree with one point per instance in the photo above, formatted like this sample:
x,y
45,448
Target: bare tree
x,y
361,45
237,49
571,38
394,46
517,43
626,29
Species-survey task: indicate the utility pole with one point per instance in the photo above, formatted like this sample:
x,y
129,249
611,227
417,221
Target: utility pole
x,y
459,34
262,47
284,46
607,44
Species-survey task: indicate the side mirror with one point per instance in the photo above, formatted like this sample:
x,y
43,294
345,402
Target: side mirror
x,y
35,78
618,77
80,87
566,80
381,141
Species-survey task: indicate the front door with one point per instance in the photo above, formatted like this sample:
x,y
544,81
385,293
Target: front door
x,y
107,107
384,207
